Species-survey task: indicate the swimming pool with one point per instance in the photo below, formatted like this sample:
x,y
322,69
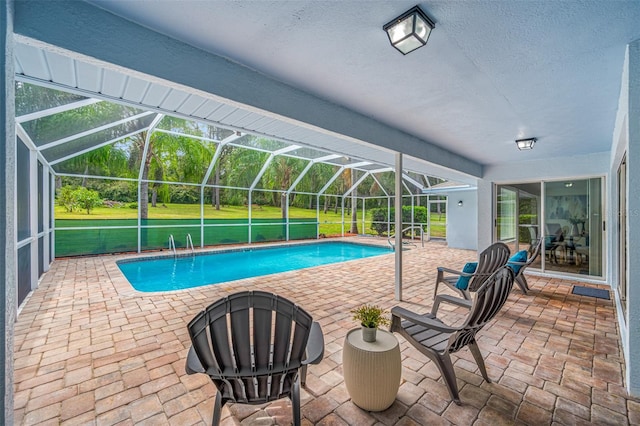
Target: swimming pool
x,y
169,273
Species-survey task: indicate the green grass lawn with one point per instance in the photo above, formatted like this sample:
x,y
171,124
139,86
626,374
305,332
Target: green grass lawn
x,y
330,222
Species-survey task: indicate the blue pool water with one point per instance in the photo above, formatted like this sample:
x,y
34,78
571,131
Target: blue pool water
x,y
162,274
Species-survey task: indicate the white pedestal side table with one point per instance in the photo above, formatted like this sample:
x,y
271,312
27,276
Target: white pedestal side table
x,y
372,371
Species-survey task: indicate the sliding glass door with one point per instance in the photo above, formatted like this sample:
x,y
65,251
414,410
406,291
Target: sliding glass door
x,y
622,235
566,215
518,212
574,226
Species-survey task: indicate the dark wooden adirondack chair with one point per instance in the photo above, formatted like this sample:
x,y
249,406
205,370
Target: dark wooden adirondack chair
x,y
438,340
474,273
255,347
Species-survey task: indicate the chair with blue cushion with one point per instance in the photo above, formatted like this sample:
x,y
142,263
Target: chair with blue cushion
x,y
473,274
438,340
520,261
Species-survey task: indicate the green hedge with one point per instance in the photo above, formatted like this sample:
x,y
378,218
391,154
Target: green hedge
x,y
380,216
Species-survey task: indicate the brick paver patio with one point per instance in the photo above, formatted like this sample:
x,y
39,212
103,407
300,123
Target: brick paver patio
x,y
91,350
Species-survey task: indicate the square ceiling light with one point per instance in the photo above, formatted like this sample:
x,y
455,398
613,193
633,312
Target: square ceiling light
x,y
410,30
524,144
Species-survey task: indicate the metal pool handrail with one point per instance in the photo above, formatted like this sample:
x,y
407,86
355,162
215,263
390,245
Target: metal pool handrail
x,y
390,239
189,243
172,244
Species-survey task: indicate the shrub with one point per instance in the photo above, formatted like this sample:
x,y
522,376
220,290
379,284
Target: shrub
x,y
87,199
67,199
379,217
121,191
181,194
132,205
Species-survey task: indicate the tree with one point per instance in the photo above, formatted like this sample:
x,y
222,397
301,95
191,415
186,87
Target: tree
x,y
66,198
169,158
87,199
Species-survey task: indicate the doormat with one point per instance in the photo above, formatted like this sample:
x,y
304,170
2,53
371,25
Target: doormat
x,y
590,291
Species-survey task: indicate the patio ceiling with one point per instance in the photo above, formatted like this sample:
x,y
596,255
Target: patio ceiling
x,y
492,72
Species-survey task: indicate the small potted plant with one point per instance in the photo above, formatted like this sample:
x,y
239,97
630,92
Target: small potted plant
x,y
370,318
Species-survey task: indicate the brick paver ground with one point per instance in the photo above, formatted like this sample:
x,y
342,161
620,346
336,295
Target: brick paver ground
x,y
91,350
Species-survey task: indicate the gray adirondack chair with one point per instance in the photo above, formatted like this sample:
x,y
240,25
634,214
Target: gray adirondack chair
x,y
492,258
522,266
438,340
255,346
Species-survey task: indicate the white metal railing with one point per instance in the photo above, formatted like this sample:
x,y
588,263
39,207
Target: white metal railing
x,y
189,243
392,236
172,244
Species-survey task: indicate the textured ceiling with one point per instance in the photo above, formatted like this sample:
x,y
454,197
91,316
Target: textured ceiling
x,y
493,71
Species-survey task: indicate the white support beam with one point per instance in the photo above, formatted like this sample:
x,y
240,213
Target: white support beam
x,y
92,131
46,218
147,140
355,185
413,181
356,165
262,172
286,149
234,136
330,181
380,184
33,216
383,170
22,134
212,164
56,110
398,226
426,179
217,154
98,177
327,158
84,151
299,178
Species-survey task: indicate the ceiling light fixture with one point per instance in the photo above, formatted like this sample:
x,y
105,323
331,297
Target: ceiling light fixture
x,y
410,30
526,143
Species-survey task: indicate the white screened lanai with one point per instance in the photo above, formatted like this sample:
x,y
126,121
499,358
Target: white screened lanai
x,y
97,176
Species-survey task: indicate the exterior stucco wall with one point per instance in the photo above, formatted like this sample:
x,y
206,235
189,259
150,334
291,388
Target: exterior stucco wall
x,y
462,232
531,171
626,138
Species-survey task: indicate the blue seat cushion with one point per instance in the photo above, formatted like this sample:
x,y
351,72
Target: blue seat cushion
x,y
521,257
469,268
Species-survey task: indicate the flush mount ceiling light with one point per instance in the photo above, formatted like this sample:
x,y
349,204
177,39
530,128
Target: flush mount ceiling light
x,y
525,143
410,30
